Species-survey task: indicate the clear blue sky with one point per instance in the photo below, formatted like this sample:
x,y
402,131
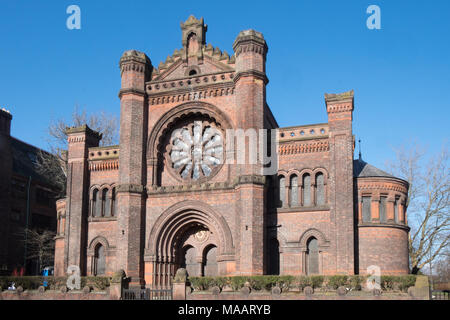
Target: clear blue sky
x,y
400,74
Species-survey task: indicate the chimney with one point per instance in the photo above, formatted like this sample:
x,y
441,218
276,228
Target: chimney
x,y
5,121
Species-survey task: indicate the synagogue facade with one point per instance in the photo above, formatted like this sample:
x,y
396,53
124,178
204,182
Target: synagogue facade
x,y
169,196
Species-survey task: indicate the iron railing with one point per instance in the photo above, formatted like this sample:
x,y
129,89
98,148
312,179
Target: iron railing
x,y
155,293
440,295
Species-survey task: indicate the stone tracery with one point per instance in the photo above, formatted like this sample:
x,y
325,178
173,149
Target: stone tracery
x,y
196,150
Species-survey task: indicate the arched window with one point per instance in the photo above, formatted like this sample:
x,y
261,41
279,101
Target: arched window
x,y
106,203
320,191
306,189
294,191
192,44
312,256
274,257
210,262
96,204
113,202
99,260
282,190
396,209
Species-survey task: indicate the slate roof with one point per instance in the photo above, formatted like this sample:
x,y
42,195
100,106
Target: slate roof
x,y
25,157
362,169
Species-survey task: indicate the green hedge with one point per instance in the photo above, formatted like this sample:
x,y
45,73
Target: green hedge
x,y
54,283
27,283
267,282
236,283
397,282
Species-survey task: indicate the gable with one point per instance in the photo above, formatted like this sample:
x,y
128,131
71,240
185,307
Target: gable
x,y
177,66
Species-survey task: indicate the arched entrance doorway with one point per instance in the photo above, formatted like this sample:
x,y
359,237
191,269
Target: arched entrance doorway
x,y
210,268
189,234
194,247
197,252
188,260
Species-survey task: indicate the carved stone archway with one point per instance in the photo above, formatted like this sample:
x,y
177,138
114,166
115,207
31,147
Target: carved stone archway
x,y
176,229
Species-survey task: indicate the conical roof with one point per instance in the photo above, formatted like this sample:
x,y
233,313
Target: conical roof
x,y
363,169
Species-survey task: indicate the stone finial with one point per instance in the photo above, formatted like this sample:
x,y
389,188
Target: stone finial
x,y
192,21
196,26
180,275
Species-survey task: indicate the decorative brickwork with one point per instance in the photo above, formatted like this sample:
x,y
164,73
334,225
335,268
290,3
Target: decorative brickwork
x,y
178,208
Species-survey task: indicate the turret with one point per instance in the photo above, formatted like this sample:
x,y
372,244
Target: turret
x,y
250,79
340,111
135,68
381,220
80,139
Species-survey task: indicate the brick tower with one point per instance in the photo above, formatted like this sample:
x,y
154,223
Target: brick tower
x,y
80,140
135,68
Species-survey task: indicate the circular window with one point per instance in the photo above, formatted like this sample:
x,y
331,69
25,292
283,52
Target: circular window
x,y
312,131
302,132
195,150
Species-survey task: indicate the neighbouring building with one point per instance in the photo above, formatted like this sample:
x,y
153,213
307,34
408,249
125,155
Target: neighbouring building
x,y
164,198
27,200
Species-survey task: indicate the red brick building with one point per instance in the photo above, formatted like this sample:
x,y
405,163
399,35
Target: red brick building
x,y
27,201
166,198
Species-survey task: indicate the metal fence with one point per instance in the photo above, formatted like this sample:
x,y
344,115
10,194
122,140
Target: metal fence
x,y
440,295
147,294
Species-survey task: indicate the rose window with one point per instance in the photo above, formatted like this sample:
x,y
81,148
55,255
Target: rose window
x,y
196,150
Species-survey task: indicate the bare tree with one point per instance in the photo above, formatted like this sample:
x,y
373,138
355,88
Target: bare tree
x,y
427,203
40,245
442,267
54,163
